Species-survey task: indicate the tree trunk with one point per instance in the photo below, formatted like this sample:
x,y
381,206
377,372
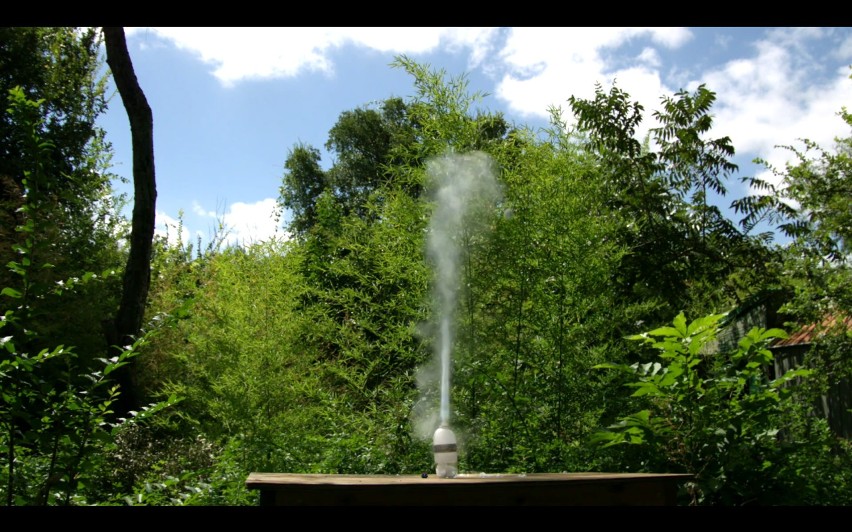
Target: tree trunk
x,y
137,274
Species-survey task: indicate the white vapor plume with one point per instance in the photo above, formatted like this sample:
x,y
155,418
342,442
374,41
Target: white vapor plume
x,y
463,187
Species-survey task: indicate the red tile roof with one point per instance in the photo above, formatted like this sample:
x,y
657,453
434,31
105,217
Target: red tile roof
x,y
808,333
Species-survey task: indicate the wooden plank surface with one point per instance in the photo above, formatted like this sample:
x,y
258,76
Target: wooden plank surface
x,y
564,489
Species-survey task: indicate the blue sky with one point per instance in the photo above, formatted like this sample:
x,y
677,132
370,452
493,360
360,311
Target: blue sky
x,y
230,103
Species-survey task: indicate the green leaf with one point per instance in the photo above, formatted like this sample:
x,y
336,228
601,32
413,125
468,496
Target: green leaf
x,y
680,324
11,292
670,377
607,365
704,324
607,438
666,332
773,333
6,342
645,388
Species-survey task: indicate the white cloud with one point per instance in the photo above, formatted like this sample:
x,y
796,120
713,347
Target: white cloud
x,y
240,224
773,98
175,233
481,42
650,57
549,65
795,36
668,37
410,40
238,53
777,91
546,65
257,53
250,223
199,210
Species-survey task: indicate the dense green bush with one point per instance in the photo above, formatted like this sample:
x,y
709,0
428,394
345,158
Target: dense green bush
x,y
56,421
747,438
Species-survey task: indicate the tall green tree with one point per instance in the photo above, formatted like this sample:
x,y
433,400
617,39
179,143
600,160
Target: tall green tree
x,y
682,246
61,67
365,143
537,305
69,185
56,405
303,183
385,143
633,186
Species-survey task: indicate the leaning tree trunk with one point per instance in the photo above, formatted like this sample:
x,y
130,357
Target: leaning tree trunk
x,y
137,274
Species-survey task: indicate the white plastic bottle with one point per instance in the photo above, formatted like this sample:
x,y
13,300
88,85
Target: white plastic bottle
x,y
446,452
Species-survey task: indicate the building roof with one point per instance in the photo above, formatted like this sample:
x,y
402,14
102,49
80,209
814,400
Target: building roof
x,y
809,333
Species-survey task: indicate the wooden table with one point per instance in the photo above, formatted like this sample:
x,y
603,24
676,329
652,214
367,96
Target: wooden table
x,y
540,489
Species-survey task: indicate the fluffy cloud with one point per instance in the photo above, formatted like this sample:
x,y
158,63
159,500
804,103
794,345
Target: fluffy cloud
x,y
175,233
243,223
779,89
252,222
239,54
545,66
779,95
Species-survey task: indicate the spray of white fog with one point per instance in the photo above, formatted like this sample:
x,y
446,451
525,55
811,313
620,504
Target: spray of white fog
x,y
463,188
